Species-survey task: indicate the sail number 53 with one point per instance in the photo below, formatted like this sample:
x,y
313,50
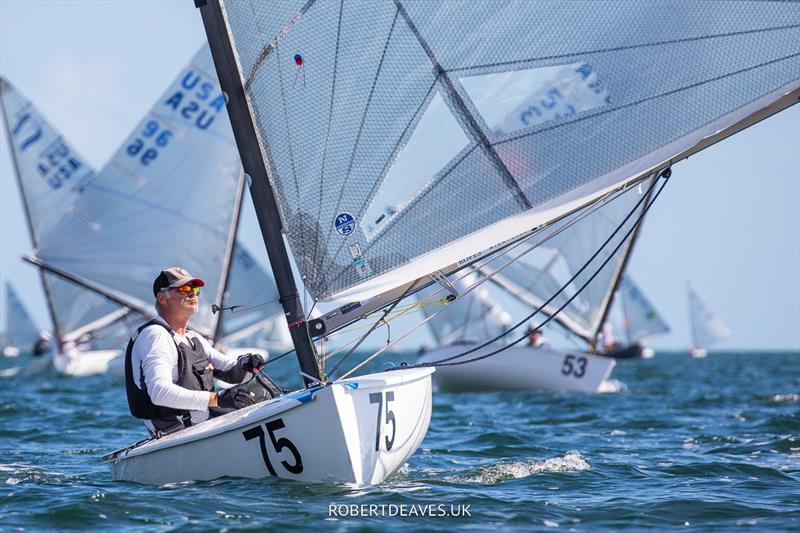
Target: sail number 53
x,y
575,366
278,444
383,399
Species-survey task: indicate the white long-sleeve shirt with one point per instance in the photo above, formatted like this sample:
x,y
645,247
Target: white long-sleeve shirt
x,y
157,354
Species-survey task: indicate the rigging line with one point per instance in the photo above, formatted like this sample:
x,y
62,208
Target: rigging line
x,y
573,278
328,129
620,48
374,326
448,361
273,359
603,111
364,117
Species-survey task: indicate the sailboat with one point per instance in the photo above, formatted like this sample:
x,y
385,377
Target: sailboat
x,y
20,332
532,273
395,143
640,320
253,309
474,317
707,328
49,172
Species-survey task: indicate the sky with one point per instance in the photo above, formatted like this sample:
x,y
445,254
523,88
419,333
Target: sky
x,y
729,219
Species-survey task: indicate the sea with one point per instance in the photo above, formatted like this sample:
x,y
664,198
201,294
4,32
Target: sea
x,y
692,445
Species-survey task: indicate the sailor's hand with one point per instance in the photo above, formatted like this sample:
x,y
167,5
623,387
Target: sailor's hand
x,y
235,399
251,362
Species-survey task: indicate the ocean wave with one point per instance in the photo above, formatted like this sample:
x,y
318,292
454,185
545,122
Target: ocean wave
x,y
497,473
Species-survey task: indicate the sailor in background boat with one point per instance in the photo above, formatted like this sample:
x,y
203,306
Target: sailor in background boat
x,y
535,337
43,344
607,340
170,370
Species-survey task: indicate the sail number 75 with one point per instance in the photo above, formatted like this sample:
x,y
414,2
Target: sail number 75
x,y
377,397
278,445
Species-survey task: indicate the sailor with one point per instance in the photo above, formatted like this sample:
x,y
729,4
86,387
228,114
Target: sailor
x,y
42,344
170,370
609,343
535,337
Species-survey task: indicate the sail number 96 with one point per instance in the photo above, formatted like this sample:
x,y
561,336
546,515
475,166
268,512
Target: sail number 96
x,y
575,366
152,133
383,399
278,444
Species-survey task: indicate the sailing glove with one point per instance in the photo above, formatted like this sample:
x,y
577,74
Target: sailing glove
x,y
235,399
251,362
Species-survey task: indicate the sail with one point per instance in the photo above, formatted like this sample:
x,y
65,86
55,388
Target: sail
x,y
472,317
640,319
50,172
707,328
257,317
557,254
21,330
169,197
404,136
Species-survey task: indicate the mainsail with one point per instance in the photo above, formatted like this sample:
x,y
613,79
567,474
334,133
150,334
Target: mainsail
x,y
640,318
707,328
50,172
20,329
171,192
404,136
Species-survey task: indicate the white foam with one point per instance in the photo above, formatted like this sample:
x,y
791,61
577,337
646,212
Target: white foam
x,y
786,398
570,462
10,372
611,386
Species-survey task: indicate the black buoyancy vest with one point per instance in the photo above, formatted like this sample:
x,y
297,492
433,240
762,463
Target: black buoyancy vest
x,y
193,374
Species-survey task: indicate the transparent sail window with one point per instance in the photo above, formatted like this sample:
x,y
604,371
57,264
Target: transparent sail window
x,y
513,101
437,139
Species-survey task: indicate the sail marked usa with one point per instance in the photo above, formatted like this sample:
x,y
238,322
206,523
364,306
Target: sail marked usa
x,y
198,91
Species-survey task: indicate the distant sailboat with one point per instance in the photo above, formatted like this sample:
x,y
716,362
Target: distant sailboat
x,y
92,218
707,327
640,320
475,317
20,331
49,173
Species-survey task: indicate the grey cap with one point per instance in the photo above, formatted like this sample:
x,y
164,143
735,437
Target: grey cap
x,y
170,278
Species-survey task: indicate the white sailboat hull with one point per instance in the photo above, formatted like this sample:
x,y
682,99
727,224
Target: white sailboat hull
x,y
359,430
77,363
520,369
698,353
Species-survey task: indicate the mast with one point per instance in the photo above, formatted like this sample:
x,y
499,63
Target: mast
x,y
692,321
226,270
260,189
625,321
45,287
622,266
